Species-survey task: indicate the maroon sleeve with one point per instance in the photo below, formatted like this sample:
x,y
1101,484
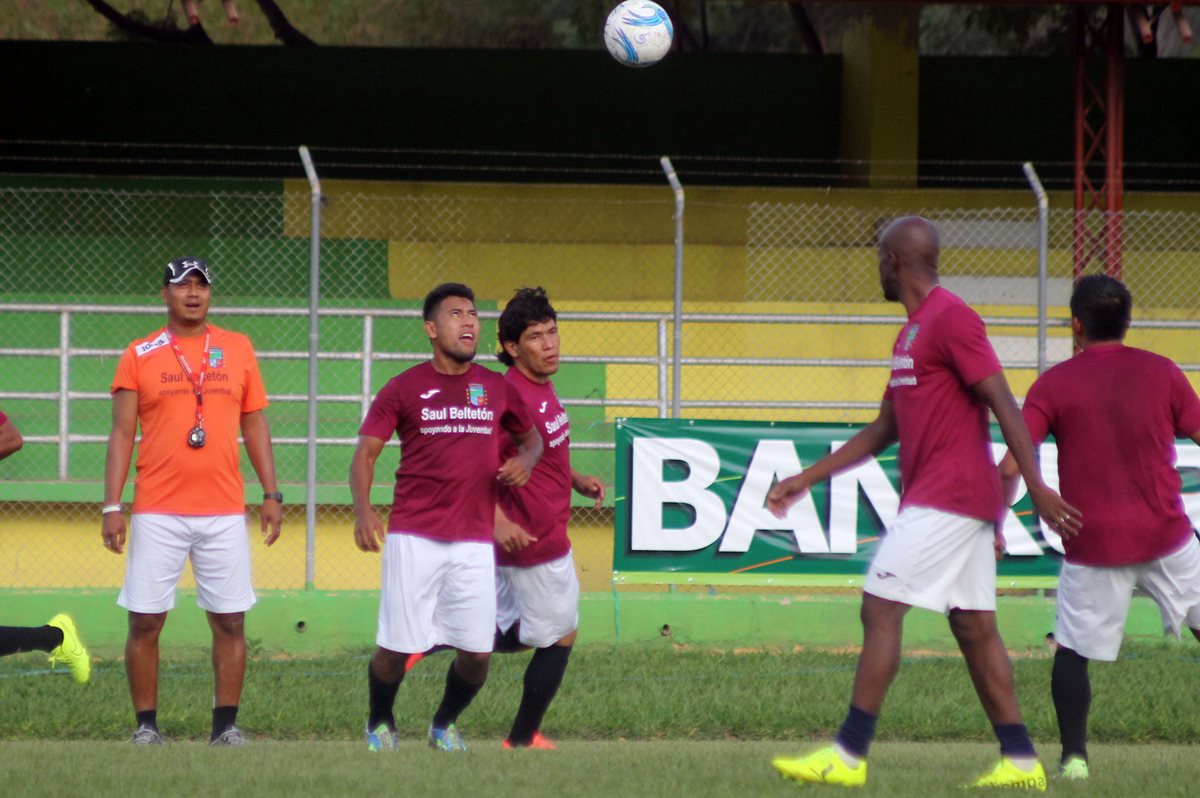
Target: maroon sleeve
x,y
516,419
1185,406
965,342
1038,411
383,417
3,418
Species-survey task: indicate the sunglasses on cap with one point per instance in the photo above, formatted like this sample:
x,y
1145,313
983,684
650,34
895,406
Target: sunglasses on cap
x,y
180,268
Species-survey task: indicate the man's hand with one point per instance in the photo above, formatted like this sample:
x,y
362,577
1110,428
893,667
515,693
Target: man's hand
x,y
1060,516
515,472
999,544
368,530
591,487
786,493
112,532
271,514
510,537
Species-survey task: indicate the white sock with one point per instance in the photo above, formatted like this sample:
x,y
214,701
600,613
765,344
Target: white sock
x,y
852,761
1025,764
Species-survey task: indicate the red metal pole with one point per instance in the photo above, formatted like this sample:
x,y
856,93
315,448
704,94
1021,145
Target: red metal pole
x,y
1079,227
1115,141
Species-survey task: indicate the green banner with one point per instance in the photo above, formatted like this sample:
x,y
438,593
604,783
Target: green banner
x,y
691,509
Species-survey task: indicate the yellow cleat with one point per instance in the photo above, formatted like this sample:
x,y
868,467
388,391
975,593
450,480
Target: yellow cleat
x,y
1073,769
821,767
1006,774
71,651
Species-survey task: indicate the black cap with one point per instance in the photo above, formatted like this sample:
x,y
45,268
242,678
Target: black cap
x,y
178,269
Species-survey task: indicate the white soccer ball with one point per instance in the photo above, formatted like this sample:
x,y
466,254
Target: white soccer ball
x,y
638,33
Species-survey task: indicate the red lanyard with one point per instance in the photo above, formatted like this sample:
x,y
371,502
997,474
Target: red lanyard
x,y
197,380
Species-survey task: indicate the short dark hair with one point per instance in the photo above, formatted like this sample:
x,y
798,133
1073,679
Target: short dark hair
x,y
527,306
433,300
1103,306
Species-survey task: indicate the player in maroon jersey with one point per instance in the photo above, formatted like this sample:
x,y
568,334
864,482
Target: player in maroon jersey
x,y
941,552
537,589
1114,412
438,564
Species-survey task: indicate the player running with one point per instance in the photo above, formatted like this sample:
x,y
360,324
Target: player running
x,y
537,591
1114,412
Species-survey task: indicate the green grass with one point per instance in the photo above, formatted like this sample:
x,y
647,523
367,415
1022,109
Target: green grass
x,y
635,692
608,769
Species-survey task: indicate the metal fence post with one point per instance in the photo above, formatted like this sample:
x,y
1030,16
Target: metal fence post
x,y
314,338
677,368
1043,205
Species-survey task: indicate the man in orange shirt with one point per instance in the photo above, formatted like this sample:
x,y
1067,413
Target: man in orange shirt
x,y
192,386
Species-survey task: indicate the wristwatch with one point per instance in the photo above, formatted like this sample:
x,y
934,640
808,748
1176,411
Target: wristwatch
x,y
277,496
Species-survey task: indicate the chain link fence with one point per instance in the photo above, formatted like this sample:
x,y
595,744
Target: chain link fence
x,y
783,319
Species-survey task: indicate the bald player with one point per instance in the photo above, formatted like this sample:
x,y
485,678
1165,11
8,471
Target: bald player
x,y
941,552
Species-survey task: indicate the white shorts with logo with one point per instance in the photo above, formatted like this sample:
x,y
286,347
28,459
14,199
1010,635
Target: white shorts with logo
x,y
543,597
1093,601
936,560
159,545
435,592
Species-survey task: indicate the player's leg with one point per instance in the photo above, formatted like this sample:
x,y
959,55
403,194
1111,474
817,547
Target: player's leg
x,y
1071,690
21,639
413,569
158,549
547,597
465,618
221,564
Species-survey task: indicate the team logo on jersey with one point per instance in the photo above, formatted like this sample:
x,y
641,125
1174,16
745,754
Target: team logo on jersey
x,y
431,393
216,357
910,337
476,395
150,346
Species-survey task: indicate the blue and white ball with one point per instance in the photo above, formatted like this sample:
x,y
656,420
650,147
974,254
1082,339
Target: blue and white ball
x,y
638,33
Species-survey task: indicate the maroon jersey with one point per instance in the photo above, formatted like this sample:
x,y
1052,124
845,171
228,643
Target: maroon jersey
x,y
450,429
946,458
3,418
541,506
1115,412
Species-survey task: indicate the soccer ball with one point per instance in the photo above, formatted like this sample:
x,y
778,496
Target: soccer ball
x,y
638,33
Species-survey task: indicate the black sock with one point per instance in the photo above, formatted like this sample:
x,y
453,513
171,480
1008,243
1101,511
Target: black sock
x,y
19,639
147,718
458,696
507,642
1072,692
857,732
382,697
542,678
1014,739
223,718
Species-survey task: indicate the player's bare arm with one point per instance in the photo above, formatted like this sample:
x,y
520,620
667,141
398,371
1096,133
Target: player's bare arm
x,y
509,535
116,467
517,469
590,486
368,527
870,440
257,435
994,390
10,439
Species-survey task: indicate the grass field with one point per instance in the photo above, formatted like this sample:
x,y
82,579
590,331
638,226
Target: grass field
x,y
634,720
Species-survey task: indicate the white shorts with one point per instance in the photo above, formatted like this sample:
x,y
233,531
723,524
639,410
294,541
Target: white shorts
x,y
543,597
159,545
937,561
1093,602
437,592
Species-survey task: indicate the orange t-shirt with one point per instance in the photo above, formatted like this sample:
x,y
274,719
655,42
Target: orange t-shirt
x,y
172,477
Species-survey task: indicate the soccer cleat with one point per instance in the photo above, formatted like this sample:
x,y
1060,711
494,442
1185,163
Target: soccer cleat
x,y
1073,768
147,735
70,651
383,738
538,743
447,739
230,738
821,767
1006,774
